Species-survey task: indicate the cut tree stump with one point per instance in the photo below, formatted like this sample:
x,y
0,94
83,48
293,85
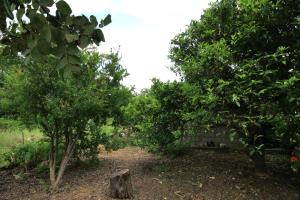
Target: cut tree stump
x,y
120,185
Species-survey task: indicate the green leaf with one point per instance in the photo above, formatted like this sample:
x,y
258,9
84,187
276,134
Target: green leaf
x,y
2,23
57,36
47,3
63,8
72,68
252,152
74,60
88,29
84,41
62,63
46,33
232,136
20,13
236,99
98,36
71,37
43,47
80,20
8,10
58,51
93,20
73,50
37,20
105,21
35,5
35,53
31,43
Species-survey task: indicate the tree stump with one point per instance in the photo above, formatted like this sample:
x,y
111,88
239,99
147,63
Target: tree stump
x,y
120,185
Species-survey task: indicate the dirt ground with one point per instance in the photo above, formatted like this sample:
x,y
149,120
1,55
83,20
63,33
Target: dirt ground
x,y
199,175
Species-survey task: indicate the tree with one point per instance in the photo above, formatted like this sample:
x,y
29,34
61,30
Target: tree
x,y
138,115
158,115
168,121
9,70
243,56
66,104
28,27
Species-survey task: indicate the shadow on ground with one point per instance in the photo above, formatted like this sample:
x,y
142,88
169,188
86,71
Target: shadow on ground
x,y
198,175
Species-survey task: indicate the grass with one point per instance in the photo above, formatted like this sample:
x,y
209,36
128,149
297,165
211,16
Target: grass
x,y
11,137
13,133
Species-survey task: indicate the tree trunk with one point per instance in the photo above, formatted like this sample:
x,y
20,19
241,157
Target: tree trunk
x,y
52,161
63,165
54,143
23,137
120,185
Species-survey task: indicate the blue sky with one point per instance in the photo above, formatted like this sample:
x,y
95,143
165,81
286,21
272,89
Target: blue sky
x,y
142,29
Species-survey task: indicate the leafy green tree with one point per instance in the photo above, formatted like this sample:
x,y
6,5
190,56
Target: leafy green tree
x,y
168,121
138,117
10,70
158,116
28,27
109,76
67,105
243,58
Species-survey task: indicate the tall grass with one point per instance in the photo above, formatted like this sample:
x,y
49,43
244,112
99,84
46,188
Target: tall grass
x,y
12,133
11,137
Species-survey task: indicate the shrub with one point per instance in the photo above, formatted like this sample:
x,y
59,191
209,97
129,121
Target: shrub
x,y
296,164
107,135
28,155
6,123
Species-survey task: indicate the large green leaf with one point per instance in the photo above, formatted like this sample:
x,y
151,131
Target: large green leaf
x,y
105,21
71,37
58,51
57,35
20,13
43,47
80,20
63,8
46,33
71,68
7,6
98,36
62,62
84,41
74,60
47,3
31,43
93,20
73,50
88,29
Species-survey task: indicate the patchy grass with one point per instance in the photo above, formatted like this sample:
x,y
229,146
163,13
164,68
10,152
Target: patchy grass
x,y
12,133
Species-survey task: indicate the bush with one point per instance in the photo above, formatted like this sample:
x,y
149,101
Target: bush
x,y
296,164
6,123
95,135
177,148
28,155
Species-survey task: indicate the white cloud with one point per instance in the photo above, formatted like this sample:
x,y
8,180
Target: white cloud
x,y
144,46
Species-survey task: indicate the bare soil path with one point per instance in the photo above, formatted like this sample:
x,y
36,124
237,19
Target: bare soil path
x,y
199,175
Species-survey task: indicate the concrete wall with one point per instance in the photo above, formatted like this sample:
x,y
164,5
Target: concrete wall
x,y
217,135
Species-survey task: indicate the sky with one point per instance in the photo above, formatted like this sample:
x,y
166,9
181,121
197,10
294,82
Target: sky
x,y
142,31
